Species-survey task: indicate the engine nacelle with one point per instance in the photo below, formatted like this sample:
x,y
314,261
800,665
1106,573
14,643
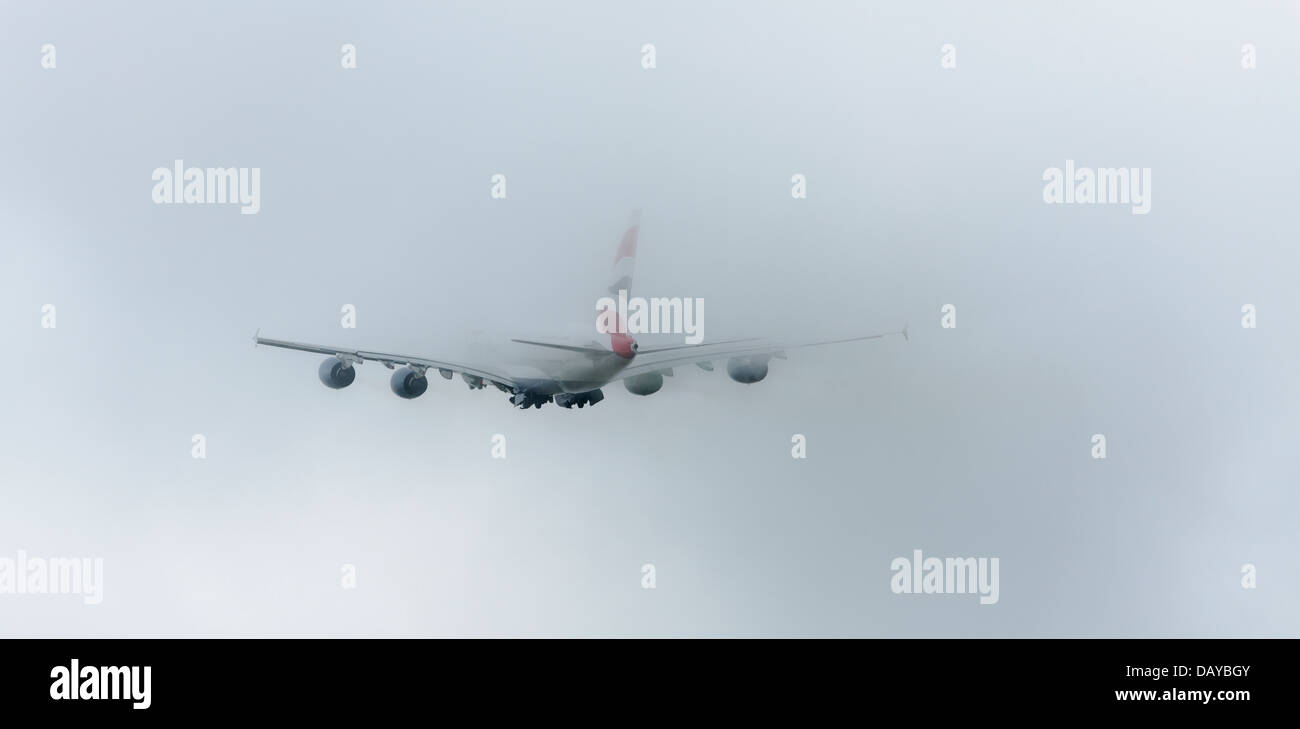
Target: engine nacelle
x,y
747,369
408,384
647,384
337,374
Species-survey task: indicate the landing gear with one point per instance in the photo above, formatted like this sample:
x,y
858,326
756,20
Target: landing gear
x,y
569,399
525,399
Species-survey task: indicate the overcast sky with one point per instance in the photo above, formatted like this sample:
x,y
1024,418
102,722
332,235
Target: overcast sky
x,y
924,189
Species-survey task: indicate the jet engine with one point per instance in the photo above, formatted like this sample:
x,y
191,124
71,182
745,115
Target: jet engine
x,y
337,374
647,384
747,369
408,383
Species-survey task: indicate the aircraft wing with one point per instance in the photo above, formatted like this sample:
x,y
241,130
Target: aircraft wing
x,y
391,360
663,358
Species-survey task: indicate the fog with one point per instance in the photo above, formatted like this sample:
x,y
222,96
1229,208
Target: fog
x,y
924,189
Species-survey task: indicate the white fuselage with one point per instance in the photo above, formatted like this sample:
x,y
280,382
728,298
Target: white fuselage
x,y
551,370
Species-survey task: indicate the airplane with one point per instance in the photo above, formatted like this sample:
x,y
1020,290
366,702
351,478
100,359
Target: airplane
x,y
568,373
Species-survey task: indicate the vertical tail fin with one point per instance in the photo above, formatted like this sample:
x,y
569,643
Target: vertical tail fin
x,y
610,319
625,258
